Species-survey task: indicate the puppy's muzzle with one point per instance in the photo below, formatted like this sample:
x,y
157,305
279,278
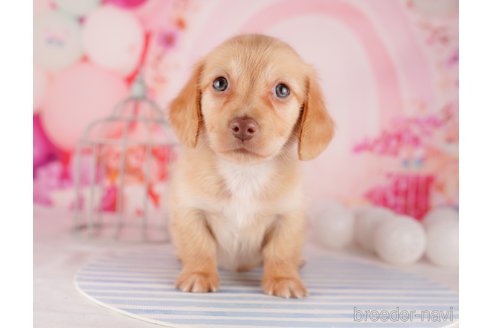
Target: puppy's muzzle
x,y
243,128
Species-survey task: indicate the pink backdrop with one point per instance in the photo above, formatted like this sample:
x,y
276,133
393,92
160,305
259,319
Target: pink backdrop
x,y
380,62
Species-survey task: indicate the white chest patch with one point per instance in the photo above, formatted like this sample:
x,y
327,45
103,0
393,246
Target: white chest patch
x,y
238,237
245,183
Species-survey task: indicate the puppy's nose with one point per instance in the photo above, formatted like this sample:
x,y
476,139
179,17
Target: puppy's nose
x,y
243,128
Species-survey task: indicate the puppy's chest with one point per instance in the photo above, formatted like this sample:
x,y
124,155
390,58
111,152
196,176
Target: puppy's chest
x,y
246,187
240,221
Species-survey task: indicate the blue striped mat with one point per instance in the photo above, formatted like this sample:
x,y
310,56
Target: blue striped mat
x,y
342,293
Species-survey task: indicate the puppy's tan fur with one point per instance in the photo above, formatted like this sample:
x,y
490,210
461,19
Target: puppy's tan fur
x,y
236,203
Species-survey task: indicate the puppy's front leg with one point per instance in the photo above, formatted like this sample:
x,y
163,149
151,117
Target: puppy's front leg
x,y
282,257
197,251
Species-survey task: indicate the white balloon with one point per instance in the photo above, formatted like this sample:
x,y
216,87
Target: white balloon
x,y
334,226
113,39
78,7
366,221
443,243
40,81
400,240
57,40
440,214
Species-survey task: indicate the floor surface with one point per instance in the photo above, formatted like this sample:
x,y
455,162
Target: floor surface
x,y
58,255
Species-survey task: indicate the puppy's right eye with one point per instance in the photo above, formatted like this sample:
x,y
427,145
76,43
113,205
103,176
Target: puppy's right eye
x,y
220,84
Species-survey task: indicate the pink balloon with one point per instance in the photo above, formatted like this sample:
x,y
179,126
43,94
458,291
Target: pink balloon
x,y
40,84
113,39
78,96
43,150
127,4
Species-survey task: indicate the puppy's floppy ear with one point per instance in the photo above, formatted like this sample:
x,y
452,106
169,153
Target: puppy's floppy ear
x,y
185,111
316,125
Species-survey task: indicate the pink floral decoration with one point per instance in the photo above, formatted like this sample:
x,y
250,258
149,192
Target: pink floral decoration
x,y
405,193
49,177
407,132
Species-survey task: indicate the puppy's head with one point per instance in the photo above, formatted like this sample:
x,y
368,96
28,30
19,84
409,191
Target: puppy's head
x,y
250,97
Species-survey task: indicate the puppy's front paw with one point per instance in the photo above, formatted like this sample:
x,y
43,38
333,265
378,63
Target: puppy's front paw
x,y
198,282
287,287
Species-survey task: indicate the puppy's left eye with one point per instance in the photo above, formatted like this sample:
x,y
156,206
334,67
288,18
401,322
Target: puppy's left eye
x,y
282,91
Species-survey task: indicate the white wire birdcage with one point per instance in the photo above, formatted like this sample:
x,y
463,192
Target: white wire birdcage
x,y
126,156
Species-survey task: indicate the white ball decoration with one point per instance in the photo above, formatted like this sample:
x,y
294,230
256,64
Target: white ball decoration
x,y
366,221
78,7
443,243
400,240
440,214
57,40
113,39
334,226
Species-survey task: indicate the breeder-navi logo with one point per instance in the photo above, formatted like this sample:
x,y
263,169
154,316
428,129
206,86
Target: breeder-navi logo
x,y
399,315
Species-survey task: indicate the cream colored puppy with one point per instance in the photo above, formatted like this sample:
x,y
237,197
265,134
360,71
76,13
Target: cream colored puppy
x,y
250,111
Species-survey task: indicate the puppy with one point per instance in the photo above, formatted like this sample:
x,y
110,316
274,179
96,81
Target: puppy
x,y
250,111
